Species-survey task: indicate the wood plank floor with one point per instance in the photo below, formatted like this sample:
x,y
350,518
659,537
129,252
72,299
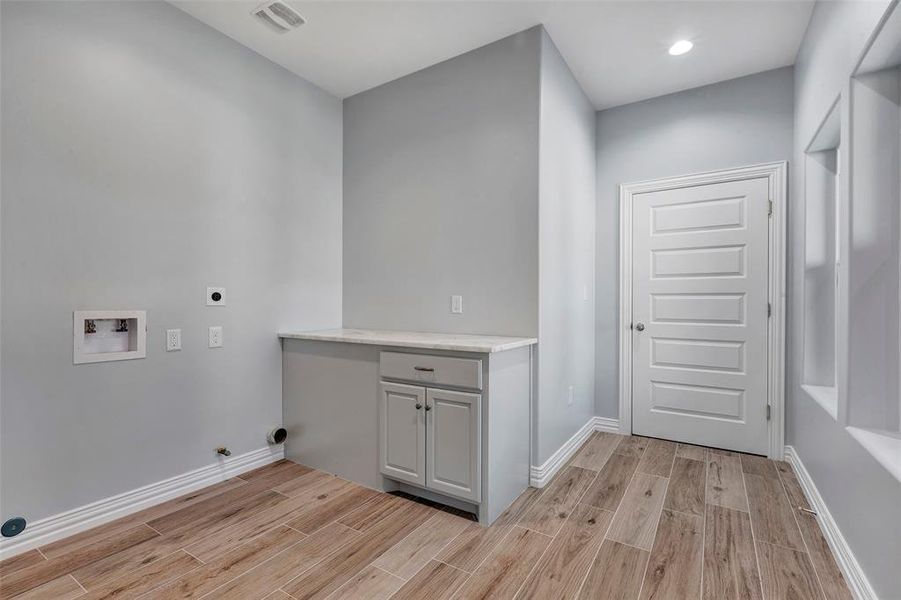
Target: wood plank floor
x,y
628,518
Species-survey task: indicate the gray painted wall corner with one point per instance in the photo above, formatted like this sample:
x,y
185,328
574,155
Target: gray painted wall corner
x,y
567,162
117,117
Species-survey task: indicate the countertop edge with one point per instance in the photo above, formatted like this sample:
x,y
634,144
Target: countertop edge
x,y
458,347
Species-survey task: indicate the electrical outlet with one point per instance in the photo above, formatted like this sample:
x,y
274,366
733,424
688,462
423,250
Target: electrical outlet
x,y
216,336
569,396
215,296
173,340
457,305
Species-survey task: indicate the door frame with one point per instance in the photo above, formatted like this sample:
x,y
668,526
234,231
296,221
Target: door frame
x,y
776,173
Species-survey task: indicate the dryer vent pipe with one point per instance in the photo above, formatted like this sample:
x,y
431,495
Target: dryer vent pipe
x,y
277,435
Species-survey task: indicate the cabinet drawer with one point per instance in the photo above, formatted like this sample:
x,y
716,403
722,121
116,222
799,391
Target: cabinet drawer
x,y
435,370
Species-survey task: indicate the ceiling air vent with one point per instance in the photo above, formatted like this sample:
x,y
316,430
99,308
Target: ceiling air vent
x,y
279,16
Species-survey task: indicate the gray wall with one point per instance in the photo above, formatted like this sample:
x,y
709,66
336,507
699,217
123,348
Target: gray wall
x,y
441,195
874,250
734,123
862,497
819,268
476,177
566,256
146,156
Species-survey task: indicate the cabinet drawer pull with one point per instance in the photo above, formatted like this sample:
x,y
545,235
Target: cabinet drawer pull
x,y
428,407
418,406
424,369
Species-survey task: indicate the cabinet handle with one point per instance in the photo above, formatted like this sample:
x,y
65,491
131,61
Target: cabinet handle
x,y
428,407
424,369
418,405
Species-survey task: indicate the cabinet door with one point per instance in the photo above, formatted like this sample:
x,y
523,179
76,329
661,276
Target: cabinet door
x,y
402,432
454,434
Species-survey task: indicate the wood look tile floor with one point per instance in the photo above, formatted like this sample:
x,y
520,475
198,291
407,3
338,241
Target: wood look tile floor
x,y
628,518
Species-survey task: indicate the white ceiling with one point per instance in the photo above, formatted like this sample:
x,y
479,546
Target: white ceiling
x,y
617,49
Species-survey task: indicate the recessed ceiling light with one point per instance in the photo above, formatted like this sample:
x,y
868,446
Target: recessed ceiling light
x,y
680,47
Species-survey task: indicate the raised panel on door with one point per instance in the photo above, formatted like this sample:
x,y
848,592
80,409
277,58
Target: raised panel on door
x,y
453,425
402,435
699,289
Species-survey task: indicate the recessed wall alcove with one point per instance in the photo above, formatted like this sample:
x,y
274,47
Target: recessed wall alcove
x,y
822,250
874,298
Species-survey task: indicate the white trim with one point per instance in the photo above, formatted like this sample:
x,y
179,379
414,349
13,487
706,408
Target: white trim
x,y
843,234
854,575
777,176
625,308
540,476
56,527
606,424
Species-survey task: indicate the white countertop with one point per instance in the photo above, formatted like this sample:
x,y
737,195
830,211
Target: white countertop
x,y
414,339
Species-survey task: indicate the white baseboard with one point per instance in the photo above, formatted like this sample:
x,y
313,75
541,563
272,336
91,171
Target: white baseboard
x,y
540,476
50,529
606,424
854,575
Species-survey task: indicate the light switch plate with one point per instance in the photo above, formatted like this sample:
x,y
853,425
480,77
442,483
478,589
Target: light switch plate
x,y
216,336
215,296
173,340
457,305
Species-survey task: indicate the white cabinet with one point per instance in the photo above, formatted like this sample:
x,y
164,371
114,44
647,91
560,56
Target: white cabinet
x,y
359,411
431,438
402,439
453,443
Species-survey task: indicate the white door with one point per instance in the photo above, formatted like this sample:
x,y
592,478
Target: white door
x,y
453,425
402,439
699,314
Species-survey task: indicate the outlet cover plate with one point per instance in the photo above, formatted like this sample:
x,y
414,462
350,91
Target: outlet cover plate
x,y
216,336
173,340
215,296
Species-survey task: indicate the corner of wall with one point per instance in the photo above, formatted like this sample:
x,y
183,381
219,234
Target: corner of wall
x,y
566,241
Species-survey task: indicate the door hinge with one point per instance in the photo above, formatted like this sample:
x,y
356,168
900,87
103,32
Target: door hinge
x,y
770,209
769,410
769,310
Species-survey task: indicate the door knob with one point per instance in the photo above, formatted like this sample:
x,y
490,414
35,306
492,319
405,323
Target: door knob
x,y
418,406
639,326
427,407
